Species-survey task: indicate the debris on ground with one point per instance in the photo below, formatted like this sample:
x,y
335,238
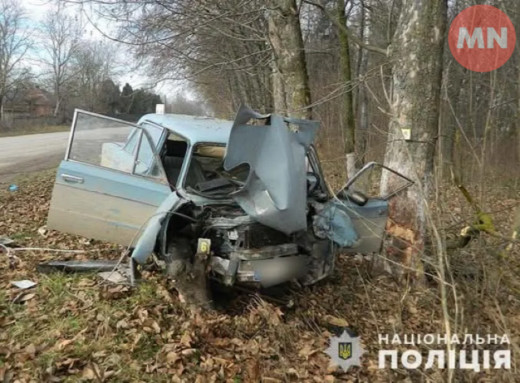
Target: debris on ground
x,y
43,231
24,284
116,277
23,297
6,241
77,266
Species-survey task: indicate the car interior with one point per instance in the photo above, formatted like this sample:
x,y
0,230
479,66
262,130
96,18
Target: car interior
x,y
174,152
206,174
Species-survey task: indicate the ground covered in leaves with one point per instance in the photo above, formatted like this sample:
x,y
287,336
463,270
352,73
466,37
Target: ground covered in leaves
x,y
78,328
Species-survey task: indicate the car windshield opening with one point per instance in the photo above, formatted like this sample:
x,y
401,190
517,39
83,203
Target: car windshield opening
x,y
206,175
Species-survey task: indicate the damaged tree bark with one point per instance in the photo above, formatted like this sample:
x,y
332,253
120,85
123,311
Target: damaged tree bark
x,y
291,92
416,53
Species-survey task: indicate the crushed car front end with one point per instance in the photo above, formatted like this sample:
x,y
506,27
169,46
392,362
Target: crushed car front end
x,y
255,205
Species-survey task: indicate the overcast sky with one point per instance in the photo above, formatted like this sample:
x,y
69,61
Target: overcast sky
x,y
36,11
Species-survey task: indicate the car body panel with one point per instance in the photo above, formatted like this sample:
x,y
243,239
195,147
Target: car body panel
x,y
148,239
274,193
194,129
100,202
333,222
107,205
369,222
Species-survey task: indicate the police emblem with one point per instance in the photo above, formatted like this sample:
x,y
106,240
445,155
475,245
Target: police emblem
x,y
345,351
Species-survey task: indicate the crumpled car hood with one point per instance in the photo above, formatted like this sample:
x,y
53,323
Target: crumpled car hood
x,y
275,191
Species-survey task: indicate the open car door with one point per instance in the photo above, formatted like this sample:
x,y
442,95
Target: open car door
x,y
367,207
110,182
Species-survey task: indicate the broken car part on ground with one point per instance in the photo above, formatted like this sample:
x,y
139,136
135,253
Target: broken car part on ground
x,y
248,196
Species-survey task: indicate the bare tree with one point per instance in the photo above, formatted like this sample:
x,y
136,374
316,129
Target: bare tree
x,y
220,48
347,113
291,82
61,38
93,65
417,51
14,44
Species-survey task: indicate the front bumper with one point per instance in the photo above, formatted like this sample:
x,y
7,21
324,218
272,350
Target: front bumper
x,y
269,266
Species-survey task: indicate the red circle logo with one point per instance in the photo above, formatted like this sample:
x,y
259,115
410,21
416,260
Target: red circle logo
x,y
482,38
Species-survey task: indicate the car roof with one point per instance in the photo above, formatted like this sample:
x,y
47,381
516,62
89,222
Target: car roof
x,y
194,128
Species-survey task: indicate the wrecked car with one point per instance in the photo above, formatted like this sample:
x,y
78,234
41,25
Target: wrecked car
x,y
252,189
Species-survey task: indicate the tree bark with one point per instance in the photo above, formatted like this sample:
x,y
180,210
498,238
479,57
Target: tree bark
x,y
448,130
2,108
347,111
518,119
291,91
57,107
362,99
416,53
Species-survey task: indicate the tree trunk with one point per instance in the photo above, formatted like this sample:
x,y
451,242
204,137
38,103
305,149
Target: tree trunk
x,y
363,126
518,119
279,99
448,130
57,107
347,111
291,91
518,144
362,98
1,108
416,53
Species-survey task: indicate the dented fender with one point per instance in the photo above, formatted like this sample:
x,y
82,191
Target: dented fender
x,y
147,240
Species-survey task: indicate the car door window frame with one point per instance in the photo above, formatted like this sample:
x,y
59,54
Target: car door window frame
x,y
133,133
408,182
156,160
160,140
73,131
136,154
314,162
162,179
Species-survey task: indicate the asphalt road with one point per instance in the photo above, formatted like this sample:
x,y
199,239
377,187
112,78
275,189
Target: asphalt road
x,y
32,152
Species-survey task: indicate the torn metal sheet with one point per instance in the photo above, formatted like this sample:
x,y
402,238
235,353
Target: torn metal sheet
x,y
334,223
275,190
24,284
77,266
116,277
146,243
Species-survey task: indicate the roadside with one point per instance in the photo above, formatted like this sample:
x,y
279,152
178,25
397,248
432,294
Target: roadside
x,y
30,153
36,129
27,168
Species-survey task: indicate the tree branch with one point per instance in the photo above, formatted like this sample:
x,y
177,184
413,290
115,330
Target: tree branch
x,y
351,36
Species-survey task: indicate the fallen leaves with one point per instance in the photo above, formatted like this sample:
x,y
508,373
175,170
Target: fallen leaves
x,y
76,327
23,297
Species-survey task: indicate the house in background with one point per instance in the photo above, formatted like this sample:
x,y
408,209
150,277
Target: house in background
x,y
40,103
30,103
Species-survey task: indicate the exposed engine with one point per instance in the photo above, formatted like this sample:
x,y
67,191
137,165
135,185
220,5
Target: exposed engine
x,y
247,251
